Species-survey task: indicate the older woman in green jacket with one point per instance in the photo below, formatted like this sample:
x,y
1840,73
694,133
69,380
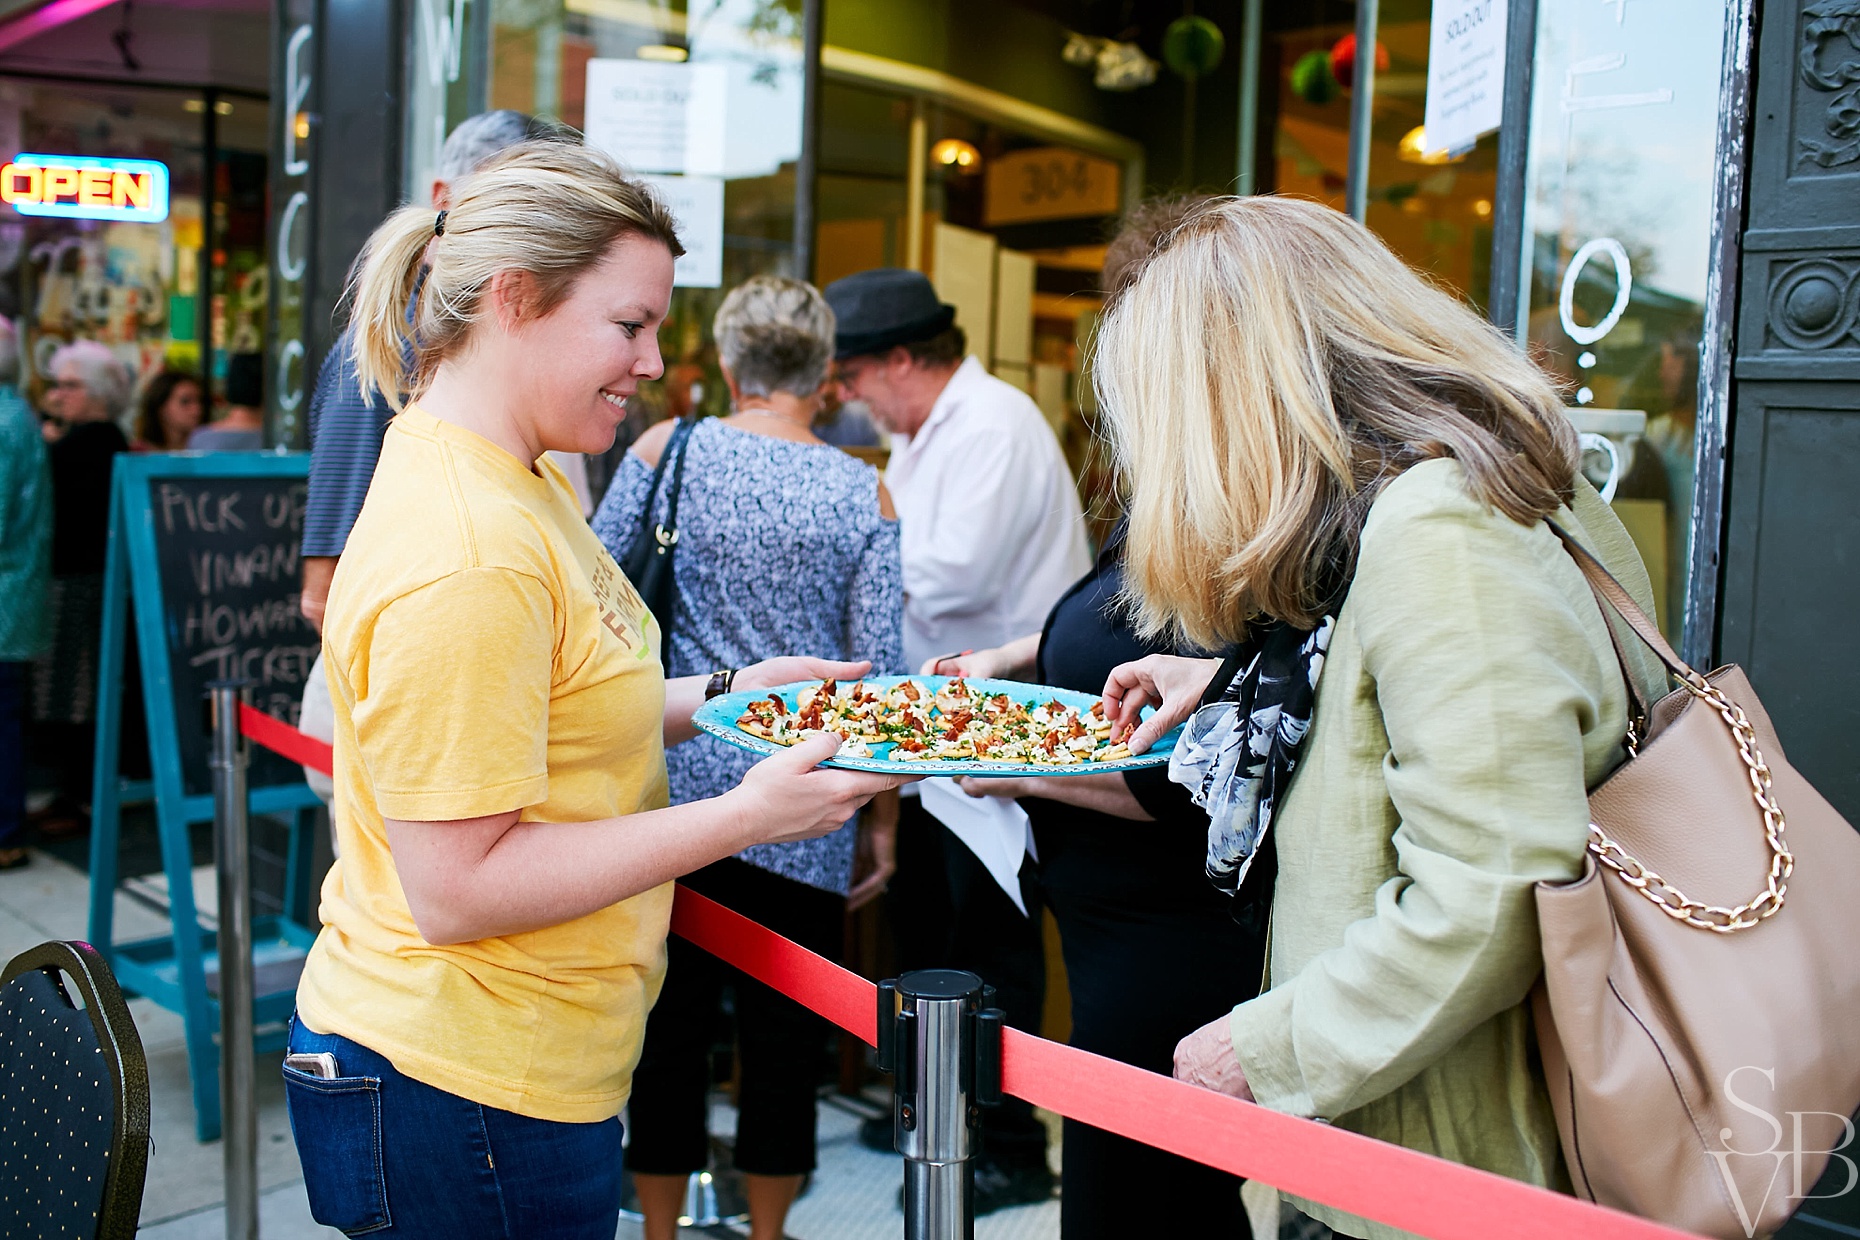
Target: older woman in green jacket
x,y
1344,473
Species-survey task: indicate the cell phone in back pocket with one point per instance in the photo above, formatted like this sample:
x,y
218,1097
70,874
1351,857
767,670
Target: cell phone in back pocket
x,y
320,1064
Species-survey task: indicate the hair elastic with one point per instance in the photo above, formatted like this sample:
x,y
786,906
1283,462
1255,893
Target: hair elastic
x,y
439,224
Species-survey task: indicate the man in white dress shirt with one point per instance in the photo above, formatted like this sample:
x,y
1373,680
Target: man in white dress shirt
x,y
992,532
992,535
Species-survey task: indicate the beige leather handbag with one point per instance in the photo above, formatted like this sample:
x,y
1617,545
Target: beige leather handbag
x,y
1702,1043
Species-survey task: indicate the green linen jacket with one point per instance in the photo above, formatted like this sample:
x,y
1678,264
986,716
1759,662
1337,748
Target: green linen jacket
x,y
1469,698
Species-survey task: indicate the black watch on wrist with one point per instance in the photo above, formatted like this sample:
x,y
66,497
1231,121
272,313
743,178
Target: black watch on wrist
x,y
719,683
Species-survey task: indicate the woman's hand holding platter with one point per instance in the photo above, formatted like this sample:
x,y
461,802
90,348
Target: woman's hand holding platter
x,y
790,796
788,669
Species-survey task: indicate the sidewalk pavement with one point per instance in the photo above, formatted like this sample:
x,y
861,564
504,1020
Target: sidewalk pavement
x,y
853,1196
183,1196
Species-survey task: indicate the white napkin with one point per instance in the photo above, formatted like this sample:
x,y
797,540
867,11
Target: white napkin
x,y
995,829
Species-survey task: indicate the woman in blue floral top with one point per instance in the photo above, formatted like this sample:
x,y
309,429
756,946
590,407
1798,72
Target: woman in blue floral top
x,y
785,545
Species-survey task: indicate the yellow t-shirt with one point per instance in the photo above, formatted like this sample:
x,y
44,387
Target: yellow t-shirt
x,y
486,654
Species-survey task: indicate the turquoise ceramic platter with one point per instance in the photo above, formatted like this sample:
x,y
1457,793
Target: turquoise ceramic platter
x,y
718,717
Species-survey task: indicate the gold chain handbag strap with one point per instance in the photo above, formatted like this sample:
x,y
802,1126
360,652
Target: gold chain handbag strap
x,y
1666,897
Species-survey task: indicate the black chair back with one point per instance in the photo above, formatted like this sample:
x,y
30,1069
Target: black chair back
x,y
74,1099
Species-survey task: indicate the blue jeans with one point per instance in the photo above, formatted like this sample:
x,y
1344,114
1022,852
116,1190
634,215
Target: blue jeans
x,y
387,1156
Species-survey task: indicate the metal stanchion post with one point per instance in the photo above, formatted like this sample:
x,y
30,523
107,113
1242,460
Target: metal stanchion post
x,y
233,860
943,1046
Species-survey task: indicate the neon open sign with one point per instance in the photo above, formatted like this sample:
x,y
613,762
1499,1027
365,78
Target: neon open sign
x,y
79,187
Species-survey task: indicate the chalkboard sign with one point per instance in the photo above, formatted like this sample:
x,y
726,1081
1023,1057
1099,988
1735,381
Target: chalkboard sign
x,y
204,558
226,550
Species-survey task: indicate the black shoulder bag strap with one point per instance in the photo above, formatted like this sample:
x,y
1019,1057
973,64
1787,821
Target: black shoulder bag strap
x,y
649,560
668,533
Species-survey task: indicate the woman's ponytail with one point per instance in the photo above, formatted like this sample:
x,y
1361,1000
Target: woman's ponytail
x,y
383,283
547,208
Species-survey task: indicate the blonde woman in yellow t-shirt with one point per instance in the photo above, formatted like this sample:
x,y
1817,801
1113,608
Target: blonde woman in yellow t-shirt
x,y
494,933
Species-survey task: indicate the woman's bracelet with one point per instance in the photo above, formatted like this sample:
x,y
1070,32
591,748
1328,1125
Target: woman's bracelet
x,y
719,684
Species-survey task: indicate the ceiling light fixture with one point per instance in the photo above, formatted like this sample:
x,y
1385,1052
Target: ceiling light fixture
x,y
957,154
1413,149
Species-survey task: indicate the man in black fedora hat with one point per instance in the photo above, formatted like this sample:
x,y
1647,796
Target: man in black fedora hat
x,y
992,534
992,494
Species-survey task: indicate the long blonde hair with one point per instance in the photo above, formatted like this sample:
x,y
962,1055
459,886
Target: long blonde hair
x,y
1267,371
549,208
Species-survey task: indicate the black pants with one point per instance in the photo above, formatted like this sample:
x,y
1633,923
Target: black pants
x,y
950,914
1152,954
780,1044
66,750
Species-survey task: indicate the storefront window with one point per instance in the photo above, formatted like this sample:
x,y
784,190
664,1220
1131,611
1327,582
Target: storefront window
x,y
1433,208
863,188
291,148
440,34
135,287
240,292
1618,216
1304,109
704,100
1010,226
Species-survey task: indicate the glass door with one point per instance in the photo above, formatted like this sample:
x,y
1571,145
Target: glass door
x,y
704,100
1618,216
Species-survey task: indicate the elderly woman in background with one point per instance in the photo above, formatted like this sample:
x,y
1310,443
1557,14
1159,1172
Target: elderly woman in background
x,y
785,543
88,392
1345,472
172,405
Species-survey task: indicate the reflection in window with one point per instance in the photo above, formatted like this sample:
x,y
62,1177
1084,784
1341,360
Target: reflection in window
x,y
1618,214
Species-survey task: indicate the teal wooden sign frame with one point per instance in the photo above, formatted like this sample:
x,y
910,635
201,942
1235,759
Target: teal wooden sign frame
x,y
174,969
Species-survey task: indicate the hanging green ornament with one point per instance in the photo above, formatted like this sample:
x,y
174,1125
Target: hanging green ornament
x,y
1192,46
1312,79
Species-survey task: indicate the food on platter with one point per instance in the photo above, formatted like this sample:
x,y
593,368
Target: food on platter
x,y
915,723
933,725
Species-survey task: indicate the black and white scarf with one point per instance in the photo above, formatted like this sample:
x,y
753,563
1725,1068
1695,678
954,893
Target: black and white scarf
x,y
1237,753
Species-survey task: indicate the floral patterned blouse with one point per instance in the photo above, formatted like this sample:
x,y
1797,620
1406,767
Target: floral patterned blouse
x,y
781,550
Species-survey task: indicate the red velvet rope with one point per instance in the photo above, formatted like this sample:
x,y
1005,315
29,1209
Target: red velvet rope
x,y
1388,1183
281,737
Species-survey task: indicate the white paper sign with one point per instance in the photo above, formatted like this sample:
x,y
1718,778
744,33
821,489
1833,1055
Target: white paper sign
x,y
697,204
1465,73
656,117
